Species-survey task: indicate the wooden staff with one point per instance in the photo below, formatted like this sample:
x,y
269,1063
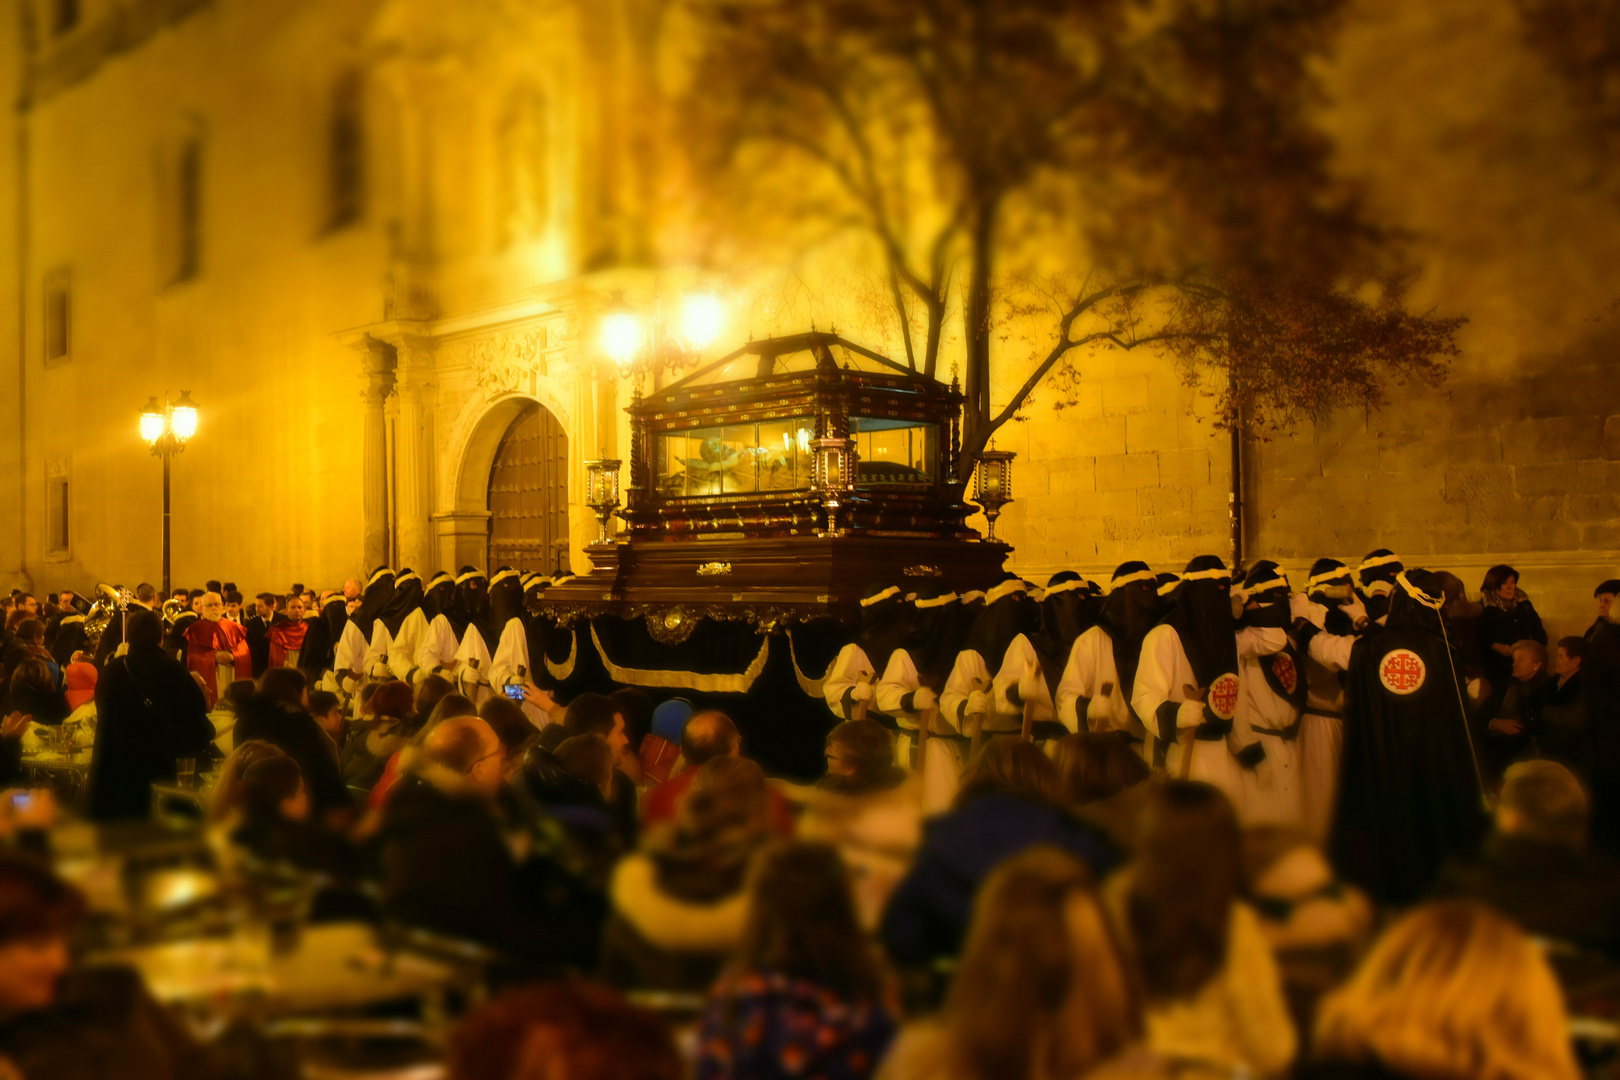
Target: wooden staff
x,y
1029,721
860,706
976,724
1193,693
925,723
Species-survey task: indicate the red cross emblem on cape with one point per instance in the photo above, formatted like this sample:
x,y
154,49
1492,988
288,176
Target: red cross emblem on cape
x,y
1402,671
1282,666
1223,696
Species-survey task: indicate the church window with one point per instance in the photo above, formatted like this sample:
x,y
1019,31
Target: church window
x,y
188,200
58,316
346,151
57,514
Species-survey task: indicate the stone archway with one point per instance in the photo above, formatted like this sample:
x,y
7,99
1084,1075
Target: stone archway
x,y
528,493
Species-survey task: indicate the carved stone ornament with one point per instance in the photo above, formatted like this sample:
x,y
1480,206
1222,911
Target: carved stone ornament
x,y
506,362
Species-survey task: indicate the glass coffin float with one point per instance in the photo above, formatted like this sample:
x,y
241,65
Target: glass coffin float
x,y
740,448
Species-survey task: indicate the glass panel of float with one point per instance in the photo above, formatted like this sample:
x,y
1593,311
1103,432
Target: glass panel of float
x,y
894,452
736,459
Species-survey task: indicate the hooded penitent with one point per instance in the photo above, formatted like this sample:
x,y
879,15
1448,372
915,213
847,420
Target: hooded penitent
x,y
374,599
936,634
406,599
437,596
1008,611
325,628
1376,580
1267,590
1067,611
1410,795
1201,614
1330,584
1128,612
470,605
505,599
885,622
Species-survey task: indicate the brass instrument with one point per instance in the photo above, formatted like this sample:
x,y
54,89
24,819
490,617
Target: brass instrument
x,y
173,609
110,600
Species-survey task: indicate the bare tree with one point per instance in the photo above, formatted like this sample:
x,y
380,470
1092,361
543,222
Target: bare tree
x,y
1129,174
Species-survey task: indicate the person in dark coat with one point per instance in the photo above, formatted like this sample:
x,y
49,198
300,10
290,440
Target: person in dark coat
x,y
445,863
1560,719
1508,618
1535,868
279,714
1008,803
150,712
1409,789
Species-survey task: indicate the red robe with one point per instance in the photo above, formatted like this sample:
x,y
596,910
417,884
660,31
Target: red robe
x,y
204,639
285,636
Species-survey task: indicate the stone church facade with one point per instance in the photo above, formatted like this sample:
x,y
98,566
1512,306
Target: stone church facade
x,y
374,239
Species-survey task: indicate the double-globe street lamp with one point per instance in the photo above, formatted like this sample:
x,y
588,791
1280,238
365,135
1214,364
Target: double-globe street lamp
x,y
166,428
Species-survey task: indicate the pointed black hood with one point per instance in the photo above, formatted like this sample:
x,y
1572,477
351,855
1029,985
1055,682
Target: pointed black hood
x,y
406,599
505,599
1201,614
470,605
1009,610
885,624
437,595
374,599
937,631
1129,611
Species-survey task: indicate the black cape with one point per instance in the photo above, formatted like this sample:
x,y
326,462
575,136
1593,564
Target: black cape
x,y
374,600
1409,794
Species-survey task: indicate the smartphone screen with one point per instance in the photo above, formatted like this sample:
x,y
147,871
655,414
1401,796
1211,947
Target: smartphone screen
x,y
20,801
514,692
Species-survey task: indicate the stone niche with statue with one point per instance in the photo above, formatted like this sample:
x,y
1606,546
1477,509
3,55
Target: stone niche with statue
x,y
774,485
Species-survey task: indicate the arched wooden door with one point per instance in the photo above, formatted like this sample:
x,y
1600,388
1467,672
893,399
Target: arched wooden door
x,y
528,494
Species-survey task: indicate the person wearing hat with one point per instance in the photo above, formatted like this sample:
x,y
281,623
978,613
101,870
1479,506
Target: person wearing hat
x,y
436,652
1094,692
511,665
1375,581
1604,594
473,620
661,746
909,688
970,695
1028,672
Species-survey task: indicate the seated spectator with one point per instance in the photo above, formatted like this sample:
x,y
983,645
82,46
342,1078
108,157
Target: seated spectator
x,y
867,808
1214,994
805,994
679,902
1535,867
227,803
446,864
705,736
598,714
1560,718
1043,990
279,714
1101,778
512,726
432,689
61,1022
571,786
563,1031
448,708
1453,991
327,710
35,691
386,723
1507,712
275,823
1008,803
661,746
637,709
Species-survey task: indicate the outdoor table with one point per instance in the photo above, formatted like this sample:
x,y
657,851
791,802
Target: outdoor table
x,y
63,774
334,967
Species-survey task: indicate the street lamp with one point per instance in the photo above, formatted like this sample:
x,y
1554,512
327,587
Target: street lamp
x,y
637,345
165,428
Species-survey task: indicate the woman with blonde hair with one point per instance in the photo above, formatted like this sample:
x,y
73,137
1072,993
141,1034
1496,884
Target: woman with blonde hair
x,y
1043,989
1453,991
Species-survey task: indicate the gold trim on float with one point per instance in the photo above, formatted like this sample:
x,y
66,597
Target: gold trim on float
x,y
812,687
566,668
689,680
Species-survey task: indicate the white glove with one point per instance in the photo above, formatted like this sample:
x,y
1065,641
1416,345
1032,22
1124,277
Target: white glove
x,y
1354,608
1299,607
924,699
978,702
861,691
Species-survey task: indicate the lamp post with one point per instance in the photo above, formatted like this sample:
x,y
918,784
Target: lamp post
x,y
639,345
992,485
166,429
